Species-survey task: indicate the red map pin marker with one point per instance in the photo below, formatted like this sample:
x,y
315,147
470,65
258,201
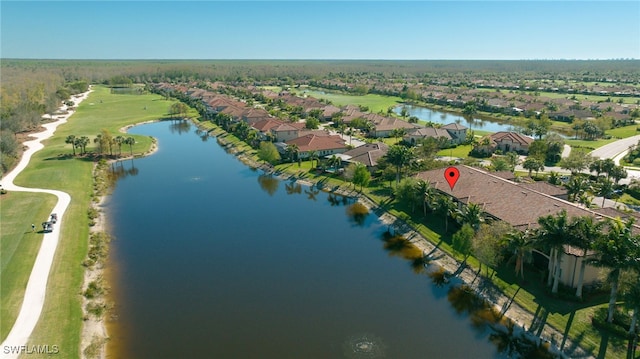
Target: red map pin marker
x,y
451,174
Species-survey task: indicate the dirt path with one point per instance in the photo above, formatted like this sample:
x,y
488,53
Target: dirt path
x,y
35,292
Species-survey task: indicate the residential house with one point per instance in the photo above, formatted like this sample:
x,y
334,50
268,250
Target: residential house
x,y
518,205
427,132
368,154
264,127
384,126
322,145
328,111
286,131
457,132
504,141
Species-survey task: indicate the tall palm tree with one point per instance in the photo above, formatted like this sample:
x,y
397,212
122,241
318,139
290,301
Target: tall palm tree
x,y
552,236
313,155
632,301
119,140
584,231
399,156
130,141
292,151
617,250
605,189
447,208
521,244
426,193
71,139
82,142
99,141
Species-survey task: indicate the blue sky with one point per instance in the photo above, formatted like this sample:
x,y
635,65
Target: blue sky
x,y
320,29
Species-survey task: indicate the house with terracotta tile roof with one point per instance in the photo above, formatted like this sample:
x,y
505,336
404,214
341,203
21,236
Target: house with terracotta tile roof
x,y
264,127
520,205
505,142
323,145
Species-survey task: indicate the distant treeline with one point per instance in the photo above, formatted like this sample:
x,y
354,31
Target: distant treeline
x,y
31,88
99,71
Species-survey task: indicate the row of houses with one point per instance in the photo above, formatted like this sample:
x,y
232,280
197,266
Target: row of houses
x,y
513,99
308,142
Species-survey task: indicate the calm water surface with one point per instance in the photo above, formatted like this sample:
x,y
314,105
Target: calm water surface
x,y
215,260
425,114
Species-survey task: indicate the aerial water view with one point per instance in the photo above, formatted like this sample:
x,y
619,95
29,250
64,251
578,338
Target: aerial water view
x,y
319,179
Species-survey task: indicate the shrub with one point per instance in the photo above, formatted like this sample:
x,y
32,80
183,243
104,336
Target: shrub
x,y
94,289
618,328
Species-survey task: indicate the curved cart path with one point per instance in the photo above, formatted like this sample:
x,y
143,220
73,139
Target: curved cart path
x,y
35,292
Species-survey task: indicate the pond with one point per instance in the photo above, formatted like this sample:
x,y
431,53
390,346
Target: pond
x,y
428,115
213,259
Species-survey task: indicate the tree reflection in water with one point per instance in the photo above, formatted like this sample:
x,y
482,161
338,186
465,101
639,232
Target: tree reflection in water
x,y
357,214
268,183
118,171
180,126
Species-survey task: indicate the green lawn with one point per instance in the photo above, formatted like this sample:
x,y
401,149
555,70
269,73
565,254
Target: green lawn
x,y
624,132
52,167
376,103
18,248
462,151
588,144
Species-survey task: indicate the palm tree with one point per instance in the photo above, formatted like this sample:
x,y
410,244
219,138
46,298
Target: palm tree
x,y
553,235
292,151
399,156
584,231
119,140
426,193
447,208
617,250
472,215
130,141
335,162
605,189
313,155
71,139
82,142
632,300
397,133
99,141
521,244
576,186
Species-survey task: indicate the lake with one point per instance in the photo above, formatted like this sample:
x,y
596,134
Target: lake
x,y
214,260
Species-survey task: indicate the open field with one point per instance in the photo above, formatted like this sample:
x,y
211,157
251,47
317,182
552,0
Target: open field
x,y
375,103
54,167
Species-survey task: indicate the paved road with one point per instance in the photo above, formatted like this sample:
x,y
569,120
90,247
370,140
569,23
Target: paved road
x,y
35,292
611,150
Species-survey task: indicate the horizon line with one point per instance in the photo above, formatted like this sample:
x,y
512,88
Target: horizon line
x,y
303,59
